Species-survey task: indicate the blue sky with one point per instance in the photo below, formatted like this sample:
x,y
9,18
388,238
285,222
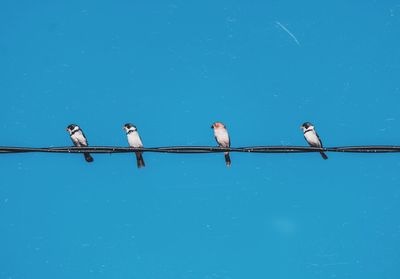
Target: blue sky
x,y
172,68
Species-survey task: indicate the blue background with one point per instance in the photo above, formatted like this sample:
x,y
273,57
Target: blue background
x,y
172,68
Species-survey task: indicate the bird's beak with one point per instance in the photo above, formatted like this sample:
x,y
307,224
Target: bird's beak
x,y
212,126
66,129
123,128
301,127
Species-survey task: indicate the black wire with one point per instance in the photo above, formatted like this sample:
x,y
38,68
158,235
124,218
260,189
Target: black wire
x,y
204,149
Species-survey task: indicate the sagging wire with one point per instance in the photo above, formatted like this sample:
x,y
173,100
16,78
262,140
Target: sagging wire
x,y
202,149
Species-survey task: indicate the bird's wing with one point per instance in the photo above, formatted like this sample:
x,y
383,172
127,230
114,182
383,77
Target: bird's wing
x,y
320,141
140,141
83,139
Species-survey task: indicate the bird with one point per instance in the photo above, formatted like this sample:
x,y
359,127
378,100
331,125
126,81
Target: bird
x,y
134,141
312,137
222,138
79,139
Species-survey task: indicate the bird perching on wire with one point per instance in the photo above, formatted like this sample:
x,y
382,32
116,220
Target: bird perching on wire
x,y
312,137
134,140
79,139
222,138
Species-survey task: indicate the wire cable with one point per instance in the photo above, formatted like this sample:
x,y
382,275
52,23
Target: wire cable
x,y
202,149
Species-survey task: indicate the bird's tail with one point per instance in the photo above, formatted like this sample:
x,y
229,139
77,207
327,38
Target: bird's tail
x,y
139,160
88,157
227,159
324,155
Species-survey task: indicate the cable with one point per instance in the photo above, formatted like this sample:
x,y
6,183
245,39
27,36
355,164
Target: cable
x,y
203,149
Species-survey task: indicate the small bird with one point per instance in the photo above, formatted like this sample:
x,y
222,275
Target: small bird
x,y
222,138
312,137
79,139
134,141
